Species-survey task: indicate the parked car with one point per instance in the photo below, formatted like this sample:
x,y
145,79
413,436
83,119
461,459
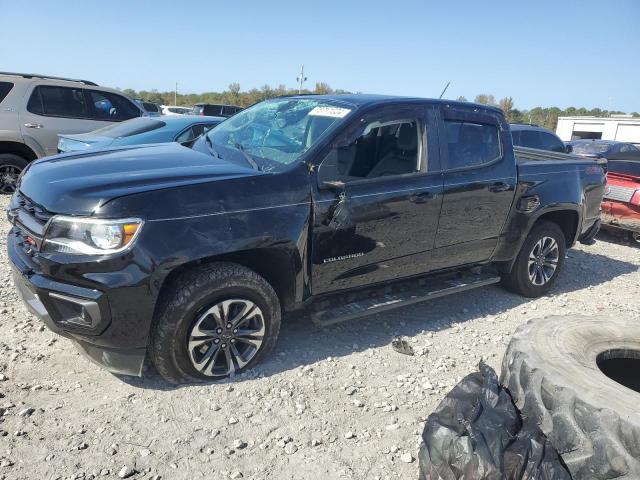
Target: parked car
x,y
344,205
150,109
173,110
215,110
602,148
34,109
534,136
184,129
621,203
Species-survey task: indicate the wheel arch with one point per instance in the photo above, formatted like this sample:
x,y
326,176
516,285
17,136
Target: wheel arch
x,y
17,148
567,217
277,266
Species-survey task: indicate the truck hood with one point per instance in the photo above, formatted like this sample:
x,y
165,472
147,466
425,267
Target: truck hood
x,y
78,183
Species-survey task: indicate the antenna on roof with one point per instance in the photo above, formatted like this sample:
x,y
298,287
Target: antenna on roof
x,y
445,89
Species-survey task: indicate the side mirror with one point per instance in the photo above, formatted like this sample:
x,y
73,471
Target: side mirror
x,y
568,148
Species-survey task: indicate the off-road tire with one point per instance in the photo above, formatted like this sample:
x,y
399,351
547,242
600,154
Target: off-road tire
x,y
551,371
517,280
10,160
190,292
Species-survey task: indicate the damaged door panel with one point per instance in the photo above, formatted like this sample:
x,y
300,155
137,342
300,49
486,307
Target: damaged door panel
x,y
376,206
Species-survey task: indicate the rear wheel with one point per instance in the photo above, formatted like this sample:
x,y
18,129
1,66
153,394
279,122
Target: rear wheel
x,y
539,261
214,321
10,168
635,236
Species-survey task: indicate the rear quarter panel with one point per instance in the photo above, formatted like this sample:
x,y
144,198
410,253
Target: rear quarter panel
x,y
569,184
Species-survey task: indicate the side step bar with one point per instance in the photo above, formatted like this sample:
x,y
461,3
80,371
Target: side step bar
x,y
401,295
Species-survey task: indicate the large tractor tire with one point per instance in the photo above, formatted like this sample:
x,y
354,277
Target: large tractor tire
x,y
579,378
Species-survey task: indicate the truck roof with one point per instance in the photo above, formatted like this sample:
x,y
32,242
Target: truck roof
x,y
365,99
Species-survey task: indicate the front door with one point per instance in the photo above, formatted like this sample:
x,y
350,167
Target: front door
x,y
377,201
480,178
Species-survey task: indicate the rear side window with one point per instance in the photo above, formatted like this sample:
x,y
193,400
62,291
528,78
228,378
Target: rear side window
x,y
551,143
471,144
212,110
530,138
111,107
58,102
5,88
151,107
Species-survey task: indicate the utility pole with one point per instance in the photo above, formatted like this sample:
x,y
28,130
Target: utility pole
x,y
301,79
175,95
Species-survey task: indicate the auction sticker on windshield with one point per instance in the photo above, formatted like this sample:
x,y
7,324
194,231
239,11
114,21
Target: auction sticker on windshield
x,y
335,112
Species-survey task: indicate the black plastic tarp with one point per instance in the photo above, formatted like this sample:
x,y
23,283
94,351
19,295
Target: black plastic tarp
x,y
476,433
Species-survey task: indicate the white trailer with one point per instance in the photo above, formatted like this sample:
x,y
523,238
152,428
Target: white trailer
x,y
623,128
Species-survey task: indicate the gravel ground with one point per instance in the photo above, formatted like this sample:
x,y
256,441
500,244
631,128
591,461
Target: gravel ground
x,y
329,403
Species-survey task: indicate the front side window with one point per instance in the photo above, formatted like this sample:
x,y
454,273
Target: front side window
x,y
276,133
385,148
471,144
58,102
111,107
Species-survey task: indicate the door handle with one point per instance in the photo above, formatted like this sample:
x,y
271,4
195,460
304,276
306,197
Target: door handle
x,y
33,125
499,187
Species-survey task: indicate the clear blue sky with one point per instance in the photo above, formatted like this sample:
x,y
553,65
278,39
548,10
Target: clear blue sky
x,y
542,53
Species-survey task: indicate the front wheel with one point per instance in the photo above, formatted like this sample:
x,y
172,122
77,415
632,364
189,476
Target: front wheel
x,y
10,168
539,262
214,321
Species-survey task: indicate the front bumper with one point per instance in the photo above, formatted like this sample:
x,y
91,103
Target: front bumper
x,y
78,313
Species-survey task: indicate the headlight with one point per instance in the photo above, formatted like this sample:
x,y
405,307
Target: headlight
x,y
90,236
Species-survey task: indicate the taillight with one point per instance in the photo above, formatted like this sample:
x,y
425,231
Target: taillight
x,y
635,198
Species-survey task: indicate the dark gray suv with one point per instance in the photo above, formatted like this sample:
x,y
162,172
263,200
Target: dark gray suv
x,y
534,136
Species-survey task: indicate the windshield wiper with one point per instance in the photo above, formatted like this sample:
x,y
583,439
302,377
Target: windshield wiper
x,y
247,157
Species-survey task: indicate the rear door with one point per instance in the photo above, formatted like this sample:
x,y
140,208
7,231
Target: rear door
x,y
480,178
52,109
379,223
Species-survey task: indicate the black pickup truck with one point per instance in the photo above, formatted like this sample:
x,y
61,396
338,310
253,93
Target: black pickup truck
x,y
334,206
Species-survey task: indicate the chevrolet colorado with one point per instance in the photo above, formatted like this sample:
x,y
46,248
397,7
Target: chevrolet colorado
x,y
336,206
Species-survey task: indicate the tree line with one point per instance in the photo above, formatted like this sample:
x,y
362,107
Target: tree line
x,y
233,95
544,116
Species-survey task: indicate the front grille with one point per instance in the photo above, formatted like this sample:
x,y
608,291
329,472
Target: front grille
x,y
30,220
33,209
619,193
